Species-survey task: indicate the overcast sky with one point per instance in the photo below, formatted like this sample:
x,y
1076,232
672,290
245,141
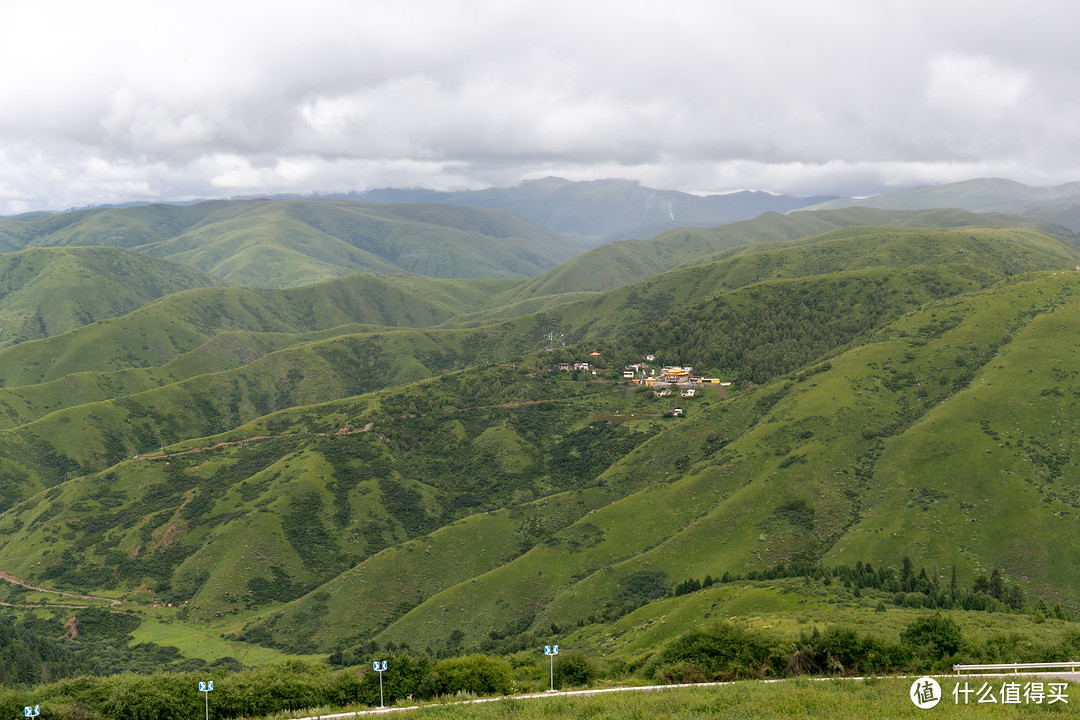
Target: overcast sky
x,y
107,102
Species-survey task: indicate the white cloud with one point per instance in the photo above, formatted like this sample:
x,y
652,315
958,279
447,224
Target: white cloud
x,y
207,98
974,86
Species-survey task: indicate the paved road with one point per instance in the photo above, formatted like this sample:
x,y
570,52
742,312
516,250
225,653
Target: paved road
x,y
1071,677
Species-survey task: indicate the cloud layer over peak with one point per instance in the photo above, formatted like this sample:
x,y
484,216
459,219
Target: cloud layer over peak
x,y
124,101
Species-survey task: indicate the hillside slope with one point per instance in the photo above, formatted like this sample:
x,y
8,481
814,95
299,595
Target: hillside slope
x,y
286,243
162,331
891,385
45,292
817,466
630,261
926,442
746,334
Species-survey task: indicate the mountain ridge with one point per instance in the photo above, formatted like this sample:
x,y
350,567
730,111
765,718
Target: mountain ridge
x,y
602,211
290,242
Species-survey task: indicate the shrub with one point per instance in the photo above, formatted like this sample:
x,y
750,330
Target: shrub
x,y
723,652
405,675
574,668
841,650
933,636
476,674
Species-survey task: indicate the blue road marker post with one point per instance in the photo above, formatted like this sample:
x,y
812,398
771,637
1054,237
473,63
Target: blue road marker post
x,y
551,652
379,667
31,712
205,688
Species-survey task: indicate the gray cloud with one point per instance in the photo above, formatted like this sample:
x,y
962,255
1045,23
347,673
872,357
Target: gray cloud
x,y
116,101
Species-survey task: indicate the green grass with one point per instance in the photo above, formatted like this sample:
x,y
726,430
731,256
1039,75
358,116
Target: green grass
x,y
195,642
632,261
45,292
830,699
160,332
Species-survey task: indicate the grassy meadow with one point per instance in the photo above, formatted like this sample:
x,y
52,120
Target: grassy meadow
x,y
871,699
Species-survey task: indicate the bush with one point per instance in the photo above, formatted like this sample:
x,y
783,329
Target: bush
x,y
476,674
405,675
574,669
933,636
841,650
723,652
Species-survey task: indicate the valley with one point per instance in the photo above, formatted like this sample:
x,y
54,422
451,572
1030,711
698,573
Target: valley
x,y
327,467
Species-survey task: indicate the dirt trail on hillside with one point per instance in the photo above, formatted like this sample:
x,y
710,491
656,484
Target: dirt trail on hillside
x,y
254,438
8,577
337,433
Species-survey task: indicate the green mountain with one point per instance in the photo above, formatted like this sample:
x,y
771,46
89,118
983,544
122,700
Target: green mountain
x,y
911,444
161,332
254,367
897,392
45,292
286,243
630,261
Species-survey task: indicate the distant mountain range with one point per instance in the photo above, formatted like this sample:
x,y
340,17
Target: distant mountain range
x,y
600,211
1060,204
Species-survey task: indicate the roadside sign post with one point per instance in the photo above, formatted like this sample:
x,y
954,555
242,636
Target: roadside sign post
x,y
205,688
551,652
379,667
31,712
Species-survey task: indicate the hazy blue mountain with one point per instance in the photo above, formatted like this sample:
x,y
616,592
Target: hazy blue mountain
x,y
600,211
984,195
1067,215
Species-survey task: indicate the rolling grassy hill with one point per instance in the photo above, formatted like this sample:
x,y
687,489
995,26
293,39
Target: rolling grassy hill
x,y
161,331
792,469
326,482
240,375
45,292
850,463
286,243
630,261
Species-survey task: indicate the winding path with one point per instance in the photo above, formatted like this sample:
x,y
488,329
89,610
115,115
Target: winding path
x,y
8,577
343,431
